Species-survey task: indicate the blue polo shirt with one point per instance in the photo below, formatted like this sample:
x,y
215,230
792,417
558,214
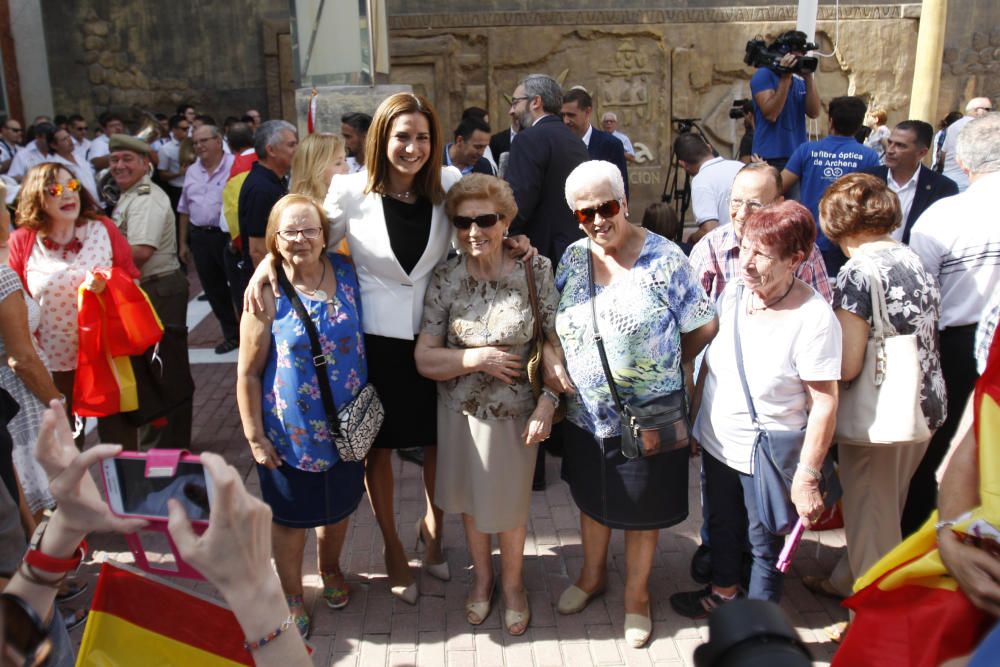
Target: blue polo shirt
x,y
820,163
780,138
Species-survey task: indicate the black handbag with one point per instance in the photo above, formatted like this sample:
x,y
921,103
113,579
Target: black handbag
x,y
162,377
649,426
774,459
354,427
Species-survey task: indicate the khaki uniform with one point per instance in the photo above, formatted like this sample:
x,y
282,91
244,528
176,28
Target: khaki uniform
x,y
144,216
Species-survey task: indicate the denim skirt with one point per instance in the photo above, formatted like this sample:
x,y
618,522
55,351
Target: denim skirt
x,y
304,499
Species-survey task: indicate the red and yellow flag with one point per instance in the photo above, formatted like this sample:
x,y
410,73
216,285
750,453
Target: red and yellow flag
x,y
909,609
135,620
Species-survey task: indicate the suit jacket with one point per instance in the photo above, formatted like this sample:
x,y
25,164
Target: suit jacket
x,y
931,186
500,143
393,300
606,146
540,160
482,165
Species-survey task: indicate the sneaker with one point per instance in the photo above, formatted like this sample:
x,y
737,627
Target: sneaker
x,y
227,346
698,604
701,565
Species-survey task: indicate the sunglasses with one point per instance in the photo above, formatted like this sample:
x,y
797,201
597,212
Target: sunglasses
x,y
310,233
57,189
482,221
608,209
26,635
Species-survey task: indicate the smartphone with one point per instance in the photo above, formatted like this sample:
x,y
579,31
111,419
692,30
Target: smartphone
x,y
132,493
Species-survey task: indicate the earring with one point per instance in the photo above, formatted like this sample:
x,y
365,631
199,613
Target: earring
x,y
506,233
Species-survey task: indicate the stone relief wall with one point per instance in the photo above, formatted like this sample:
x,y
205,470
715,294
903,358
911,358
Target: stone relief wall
x,y
648,66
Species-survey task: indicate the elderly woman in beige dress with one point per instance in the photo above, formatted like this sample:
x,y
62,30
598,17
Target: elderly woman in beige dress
x,y
475,340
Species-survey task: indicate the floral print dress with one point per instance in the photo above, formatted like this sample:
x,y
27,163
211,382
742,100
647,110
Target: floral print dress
x,y
294,416
913,303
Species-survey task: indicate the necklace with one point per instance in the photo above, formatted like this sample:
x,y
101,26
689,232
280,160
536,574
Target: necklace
x,y
751,309
71,247
400,195
485,321
317,293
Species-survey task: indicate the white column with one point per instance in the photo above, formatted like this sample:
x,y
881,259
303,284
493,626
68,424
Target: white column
x,y
32,61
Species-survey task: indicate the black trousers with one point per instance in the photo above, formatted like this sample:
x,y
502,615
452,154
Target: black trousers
x,y
237,275
958,365
208,247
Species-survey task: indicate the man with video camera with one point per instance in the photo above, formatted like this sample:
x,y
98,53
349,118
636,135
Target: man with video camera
x,y
784,93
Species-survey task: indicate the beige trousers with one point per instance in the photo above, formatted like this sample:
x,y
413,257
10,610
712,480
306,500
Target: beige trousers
x,y
875,480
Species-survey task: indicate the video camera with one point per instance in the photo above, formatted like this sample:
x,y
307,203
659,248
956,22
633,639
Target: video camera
x,y
740,108
760,55
684,125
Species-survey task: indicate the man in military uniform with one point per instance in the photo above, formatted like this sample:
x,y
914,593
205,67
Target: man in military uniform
x,y
144,216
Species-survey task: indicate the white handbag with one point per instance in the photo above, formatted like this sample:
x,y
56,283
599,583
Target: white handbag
x,y
882,405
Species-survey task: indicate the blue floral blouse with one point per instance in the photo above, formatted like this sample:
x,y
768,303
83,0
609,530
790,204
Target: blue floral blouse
x,y
641,319
294,417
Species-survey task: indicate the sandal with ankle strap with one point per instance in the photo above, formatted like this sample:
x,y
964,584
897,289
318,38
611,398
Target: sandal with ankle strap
x,y
336,592
301,621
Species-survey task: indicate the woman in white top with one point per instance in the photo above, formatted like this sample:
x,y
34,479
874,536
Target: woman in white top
x,y
791,348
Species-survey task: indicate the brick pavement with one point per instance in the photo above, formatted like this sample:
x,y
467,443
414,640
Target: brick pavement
x,y
377,630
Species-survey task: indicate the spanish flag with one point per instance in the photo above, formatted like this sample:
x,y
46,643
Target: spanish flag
x,y
909,610
135,620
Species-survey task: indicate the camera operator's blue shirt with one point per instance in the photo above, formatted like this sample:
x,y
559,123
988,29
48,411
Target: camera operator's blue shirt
x,y
820,163
780,138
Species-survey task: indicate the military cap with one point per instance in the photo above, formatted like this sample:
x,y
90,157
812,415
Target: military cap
x,y
124,142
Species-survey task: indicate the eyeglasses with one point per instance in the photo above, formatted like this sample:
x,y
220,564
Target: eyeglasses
x,y
608,209
57,189
14,129
752,205
515,100
482,221
310,233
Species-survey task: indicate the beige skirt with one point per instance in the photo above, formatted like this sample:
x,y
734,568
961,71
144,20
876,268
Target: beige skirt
x,y
484,469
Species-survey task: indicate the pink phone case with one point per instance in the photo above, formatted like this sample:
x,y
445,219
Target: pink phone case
x,y
161,463
791,544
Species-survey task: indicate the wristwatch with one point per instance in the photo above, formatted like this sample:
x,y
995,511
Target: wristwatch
x,y
50,564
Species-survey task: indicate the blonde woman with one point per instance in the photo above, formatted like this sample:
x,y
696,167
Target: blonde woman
x,y
317,160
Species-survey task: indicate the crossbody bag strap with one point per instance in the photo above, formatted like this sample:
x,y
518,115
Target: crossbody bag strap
x,y
739,358
597,333
881,326
319,359
533,299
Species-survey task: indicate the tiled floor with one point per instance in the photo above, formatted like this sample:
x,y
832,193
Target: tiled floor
x,y
376,629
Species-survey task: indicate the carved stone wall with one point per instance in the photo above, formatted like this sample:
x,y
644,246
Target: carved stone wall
x,y
648,66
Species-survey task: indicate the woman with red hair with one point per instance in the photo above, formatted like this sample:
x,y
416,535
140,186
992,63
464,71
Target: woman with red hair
x,y
790,345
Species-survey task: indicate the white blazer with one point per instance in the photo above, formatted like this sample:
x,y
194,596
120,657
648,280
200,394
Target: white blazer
x,y
392,301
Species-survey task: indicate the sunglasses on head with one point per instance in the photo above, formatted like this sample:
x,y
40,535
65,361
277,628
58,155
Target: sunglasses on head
x,y
56,189
608,209
482,221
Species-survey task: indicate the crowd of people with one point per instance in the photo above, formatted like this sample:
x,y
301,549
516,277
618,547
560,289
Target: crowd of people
x,y
496,316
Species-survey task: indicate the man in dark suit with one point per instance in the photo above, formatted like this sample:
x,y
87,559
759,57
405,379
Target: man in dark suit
x,y
576,109
541,158
500,144
916,186
471,138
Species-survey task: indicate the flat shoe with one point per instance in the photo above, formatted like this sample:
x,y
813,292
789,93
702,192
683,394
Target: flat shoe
x,y
638,627
476,612
336,592
574,599
301,621
821,586
512,617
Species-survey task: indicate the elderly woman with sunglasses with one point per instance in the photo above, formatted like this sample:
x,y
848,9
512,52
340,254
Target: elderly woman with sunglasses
x,y
654,318
61,237
475,340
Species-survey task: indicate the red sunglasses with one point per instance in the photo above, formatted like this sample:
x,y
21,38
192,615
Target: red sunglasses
x,y
608,209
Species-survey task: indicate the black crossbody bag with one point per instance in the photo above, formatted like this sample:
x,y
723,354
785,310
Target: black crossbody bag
x,y
353,428
649,426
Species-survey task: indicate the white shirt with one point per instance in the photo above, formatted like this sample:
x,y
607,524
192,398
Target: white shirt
x,y
25,159
98,147
951,168
958,239
170,161
905,193
586,137
8,150
82,146
778,355
710,190
626,142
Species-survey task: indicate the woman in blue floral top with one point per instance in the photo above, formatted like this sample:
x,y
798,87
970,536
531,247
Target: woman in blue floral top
x,y
284,420
653,315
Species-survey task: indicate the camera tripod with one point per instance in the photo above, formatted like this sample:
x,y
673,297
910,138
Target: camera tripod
x,y
674,191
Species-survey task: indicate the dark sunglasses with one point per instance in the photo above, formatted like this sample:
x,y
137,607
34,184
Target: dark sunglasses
x,y
608,209
56,189
25,634
482,221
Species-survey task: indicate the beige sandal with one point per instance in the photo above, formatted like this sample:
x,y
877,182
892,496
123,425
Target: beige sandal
x,y
476,612
512,617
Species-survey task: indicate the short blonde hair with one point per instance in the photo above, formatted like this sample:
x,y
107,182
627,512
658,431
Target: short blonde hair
x,y
311,159
482,187
274,220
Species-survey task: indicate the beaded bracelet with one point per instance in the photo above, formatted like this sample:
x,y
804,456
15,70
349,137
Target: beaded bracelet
x,y
270,637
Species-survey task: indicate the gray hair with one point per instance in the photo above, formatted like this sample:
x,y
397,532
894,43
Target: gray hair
x,y
610,115
978,147
545,87
213,129
269,134
589,175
